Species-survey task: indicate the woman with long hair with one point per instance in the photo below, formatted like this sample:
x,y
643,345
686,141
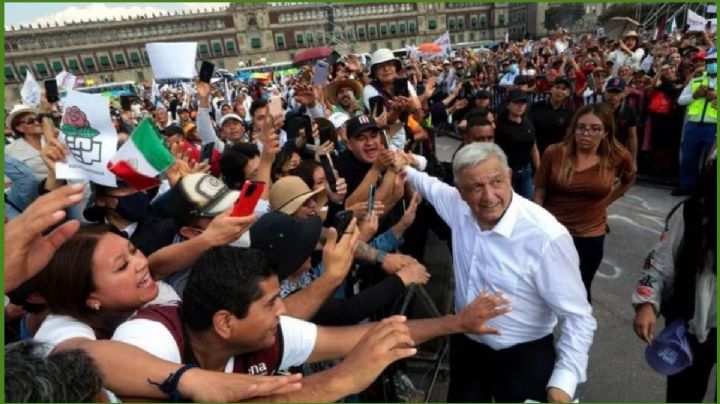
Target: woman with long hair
x,y
629,52
578,180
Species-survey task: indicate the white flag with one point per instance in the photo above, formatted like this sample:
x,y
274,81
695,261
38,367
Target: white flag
x,y
66,81
89,134
155,91
444,41
712,9
697,23
507,37
30,92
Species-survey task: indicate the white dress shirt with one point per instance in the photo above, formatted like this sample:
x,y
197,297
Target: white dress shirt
x,y
528,256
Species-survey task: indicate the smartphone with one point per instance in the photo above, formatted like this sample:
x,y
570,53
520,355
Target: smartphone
x,y
371,199
249,197
466,89
206,152
125,102
376,105
51,91
333,58
342,221
206,71
322,69
307,126
400,87
275,105
329,173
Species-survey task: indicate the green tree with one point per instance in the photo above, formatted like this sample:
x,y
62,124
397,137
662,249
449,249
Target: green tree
x,y
563,16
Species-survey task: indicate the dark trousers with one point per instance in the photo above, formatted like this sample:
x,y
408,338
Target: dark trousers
x,y
480,374
590,251
690,385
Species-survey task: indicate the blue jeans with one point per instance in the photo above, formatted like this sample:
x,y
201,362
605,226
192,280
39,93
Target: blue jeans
x,y
522,181
696,143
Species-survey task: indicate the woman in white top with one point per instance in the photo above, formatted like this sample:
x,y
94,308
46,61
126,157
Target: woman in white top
x,y
629,52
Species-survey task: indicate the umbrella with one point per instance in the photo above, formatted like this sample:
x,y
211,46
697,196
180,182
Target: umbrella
x,y
310,55
616,27
430,48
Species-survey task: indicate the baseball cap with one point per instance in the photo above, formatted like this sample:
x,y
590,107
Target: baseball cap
x,y
359,124
197,195
172,130
482,94
615,84
517,95
669,353
231,116
287,240
563,81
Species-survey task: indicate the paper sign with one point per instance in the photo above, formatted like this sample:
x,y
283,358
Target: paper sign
x,y
66,81
712,9
89,134
172,60
30,92
444,41
697,23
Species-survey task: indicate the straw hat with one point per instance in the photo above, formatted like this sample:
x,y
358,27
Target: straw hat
x,y
332,89
289,193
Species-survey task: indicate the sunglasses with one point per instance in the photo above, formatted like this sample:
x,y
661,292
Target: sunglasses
x,y
30,121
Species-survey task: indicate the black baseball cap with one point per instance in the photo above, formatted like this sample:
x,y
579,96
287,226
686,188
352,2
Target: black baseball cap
x,y
517,95
288,241
359,124
172,130
615,84
563,81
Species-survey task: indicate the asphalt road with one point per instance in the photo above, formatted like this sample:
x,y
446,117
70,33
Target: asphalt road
x,y
617,371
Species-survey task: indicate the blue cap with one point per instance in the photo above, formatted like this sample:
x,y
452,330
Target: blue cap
x,y
669,353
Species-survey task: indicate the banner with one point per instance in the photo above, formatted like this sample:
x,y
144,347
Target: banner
x,y
444,41
30,92
697,23
712,9
89,134
66,81
172,60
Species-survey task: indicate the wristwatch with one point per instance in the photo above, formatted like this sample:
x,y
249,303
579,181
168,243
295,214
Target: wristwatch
x,y
380,258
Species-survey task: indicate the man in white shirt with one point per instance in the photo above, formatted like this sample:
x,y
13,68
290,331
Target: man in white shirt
x,y
232,320
506,243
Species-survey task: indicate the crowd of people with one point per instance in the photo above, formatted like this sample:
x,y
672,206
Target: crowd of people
x,y
164,293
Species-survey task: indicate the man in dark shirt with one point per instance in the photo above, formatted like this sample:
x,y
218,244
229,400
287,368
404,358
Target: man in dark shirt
x,y
625,118
551,117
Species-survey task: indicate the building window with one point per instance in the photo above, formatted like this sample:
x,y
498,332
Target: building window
x,y
411,27
402,28
9,74
451,23
299,39
393,29
89,63
105,61
57,66
120,59
217,48
230,47
73,65
310,38
461,23
41,69
383,30
472,36
280,41
373,47
483,23
373,32
255,43
134,57
203,50
361,32
432,24
501,19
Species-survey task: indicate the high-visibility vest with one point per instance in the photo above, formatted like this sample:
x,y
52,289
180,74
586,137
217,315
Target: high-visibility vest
x,y
700,109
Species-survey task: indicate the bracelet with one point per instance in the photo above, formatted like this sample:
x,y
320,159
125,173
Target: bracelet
x,y
169,385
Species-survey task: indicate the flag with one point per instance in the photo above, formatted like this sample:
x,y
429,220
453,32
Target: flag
x,y
142,158
444,41
672,27
30,92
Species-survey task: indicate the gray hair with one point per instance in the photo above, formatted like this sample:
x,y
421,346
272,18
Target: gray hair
x,y
66,377
477,153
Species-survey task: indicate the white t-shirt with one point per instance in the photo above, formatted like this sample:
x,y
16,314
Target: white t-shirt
x,y
397,141
298,340
59,328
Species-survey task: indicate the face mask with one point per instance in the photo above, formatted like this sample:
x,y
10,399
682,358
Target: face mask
x,y
711,69
133,207
513,69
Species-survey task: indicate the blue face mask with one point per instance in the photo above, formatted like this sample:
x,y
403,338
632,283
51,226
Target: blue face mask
x,y
513,68
711,69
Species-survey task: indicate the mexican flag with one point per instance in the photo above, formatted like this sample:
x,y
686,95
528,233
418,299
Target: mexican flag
x,y
142,158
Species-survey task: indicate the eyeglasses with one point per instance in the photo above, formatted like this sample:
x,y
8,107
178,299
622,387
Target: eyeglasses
x,y
593,130
30,121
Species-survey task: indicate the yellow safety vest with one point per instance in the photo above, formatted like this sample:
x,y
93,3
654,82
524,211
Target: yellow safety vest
x,y
700,109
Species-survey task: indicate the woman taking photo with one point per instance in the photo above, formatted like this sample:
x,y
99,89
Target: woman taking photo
x,y
628,52
577,181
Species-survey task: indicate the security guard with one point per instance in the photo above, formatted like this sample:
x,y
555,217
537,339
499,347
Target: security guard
x,y
700,96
